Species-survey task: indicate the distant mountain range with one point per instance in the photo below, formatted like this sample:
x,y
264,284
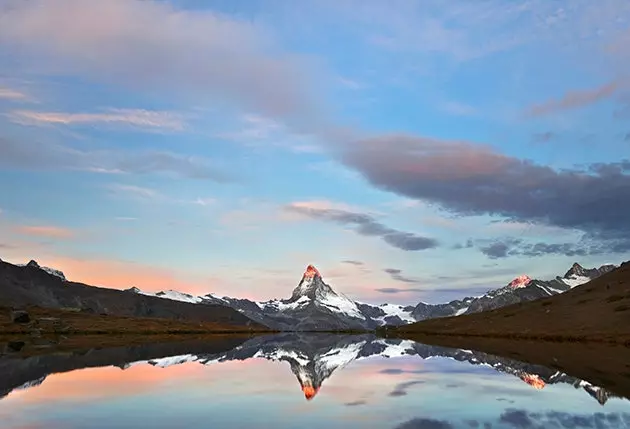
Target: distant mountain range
x,y
312,306
313,358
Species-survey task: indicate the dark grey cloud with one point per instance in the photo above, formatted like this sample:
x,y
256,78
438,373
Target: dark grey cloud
x,y
422,423
468,180
496,250
505,247
367,225
518,418
392,371
351,262
393,290
397,275
35,156
355,403
401,388
544,137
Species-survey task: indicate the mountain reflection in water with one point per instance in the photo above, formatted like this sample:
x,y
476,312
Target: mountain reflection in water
x,y
382,373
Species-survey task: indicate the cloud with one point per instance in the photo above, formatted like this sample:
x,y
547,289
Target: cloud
x,y
473,180
503,248
401,388
134,191
457,108
498,249
152,44
364,225
34,156
351,262
140,118
396,274
393,290
12,94
518,418
574,100
545,137
45,231
422,423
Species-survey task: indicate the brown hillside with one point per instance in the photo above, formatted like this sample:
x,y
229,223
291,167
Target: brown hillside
x,y
67,322
596,311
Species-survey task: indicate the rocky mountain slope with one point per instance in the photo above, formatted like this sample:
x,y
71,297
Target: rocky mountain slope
x,y
598,310
314,305
31,285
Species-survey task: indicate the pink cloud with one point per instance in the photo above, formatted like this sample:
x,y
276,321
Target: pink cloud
x,y
46,231
574,99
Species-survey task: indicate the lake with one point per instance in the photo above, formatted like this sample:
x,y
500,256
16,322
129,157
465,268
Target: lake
x,y
295,381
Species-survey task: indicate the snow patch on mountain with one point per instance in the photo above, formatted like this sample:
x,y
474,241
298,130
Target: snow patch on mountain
x,y
281,354
51,271
173,360
340,304
574,280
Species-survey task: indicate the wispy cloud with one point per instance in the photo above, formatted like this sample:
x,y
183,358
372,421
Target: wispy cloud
x,y
150,45
365,225
33,155
544,137
204,201
140,118
457,108
394,290
45,231
134,191
12,94
397,275
574,100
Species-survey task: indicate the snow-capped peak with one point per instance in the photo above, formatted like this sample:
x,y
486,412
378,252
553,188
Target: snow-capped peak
x,y
312,289
51,271
576,270
520,281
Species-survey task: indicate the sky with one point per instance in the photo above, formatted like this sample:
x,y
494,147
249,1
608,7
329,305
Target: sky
x,y
411,150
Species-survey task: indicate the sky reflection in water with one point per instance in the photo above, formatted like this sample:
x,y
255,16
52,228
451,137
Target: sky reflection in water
x,y
353,381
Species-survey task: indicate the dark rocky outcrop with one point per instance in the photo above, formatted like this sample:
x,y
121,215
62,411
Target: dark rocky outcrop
x,y
31,286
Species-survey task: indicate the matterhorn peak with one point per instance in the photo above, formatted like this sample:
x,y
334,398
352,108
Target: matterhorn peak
x,y
311,272
520,281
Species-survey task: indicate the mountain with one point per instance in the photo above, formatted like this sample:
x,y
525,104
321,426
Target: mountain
x,y
33,285
522,289
312,306
315,306
312,358
598,310
48,270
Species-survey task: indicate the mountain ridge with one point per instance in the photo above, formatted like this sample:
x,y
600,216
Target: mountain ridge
x,y
313,304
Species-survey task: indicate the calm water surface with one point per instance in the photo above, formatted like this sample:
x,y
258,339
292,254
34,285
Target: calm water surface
x,y
291,381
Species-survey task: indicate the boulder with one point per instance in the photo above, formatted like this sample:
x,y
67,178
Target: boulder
x,y
20,316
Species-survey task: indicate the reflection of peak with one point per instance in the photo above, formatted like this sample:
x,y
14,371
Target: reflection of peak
x,y
533,380
309,392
